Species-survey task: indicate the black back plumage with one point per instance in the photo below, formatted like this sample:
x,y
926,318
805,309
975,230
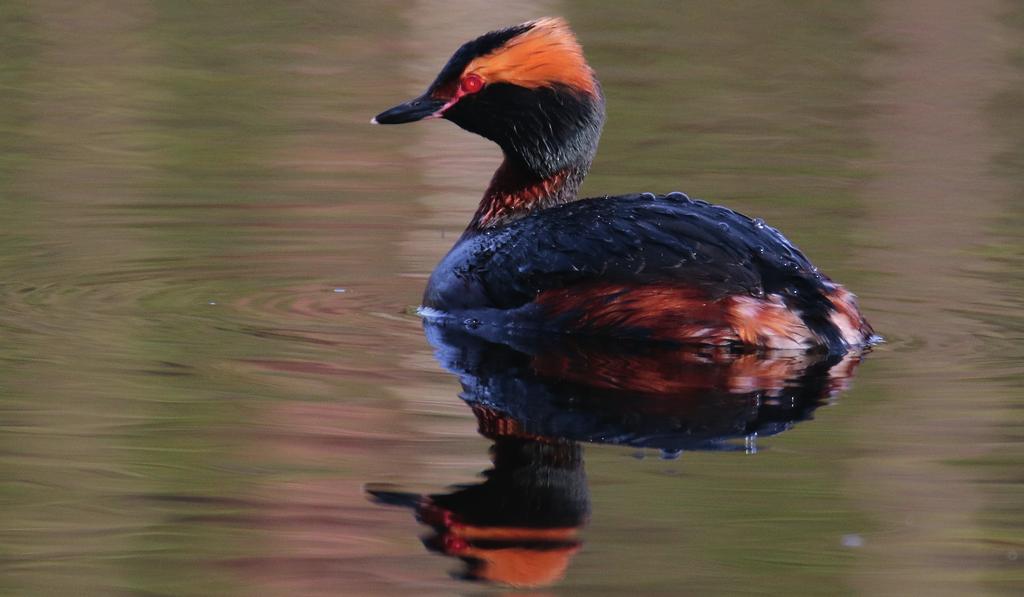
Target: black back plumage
x,y
632,240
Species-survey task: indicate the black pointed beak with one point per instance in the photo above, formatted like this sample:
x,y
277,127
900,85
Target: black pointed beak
x,y
411,111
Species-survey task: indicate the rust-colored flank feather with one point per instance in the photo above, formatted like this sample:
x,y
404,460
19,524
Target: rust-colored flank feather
x,y
847,317
546,54
679,314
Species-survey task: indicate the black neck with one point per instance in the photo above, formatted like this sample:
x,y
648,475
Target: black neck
x,y
549,137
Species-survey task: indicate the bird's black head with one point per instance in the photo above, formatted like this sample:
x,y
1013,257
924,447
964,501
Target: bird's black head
x,y
527,88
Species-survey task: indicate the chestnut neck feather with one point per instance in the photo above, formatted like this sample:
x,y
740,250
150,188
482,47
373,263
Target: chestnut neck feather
x,y
515,191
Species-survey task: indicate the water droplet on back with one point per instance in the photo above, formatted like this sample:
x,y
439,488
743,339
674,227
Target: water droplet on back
x,y
670,453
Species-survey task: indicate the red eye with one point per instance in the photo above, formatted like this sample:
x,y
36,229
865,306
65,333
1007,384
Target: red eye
x,y
471,83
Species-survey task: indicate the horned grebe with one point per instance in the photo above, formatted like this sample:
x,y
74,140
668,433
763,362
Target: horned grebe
x,y
536,256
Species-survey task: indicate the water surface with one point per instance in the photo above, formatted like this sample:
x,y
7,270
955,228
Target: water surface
x,y
209,265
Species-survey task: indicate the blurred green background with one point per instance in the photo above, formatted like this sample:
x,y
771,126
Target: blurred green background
x,y
209,263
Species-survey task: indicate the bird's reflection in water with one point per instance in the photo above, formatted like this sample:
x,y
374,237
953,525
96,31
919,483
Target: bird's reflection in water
x,y
539,401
